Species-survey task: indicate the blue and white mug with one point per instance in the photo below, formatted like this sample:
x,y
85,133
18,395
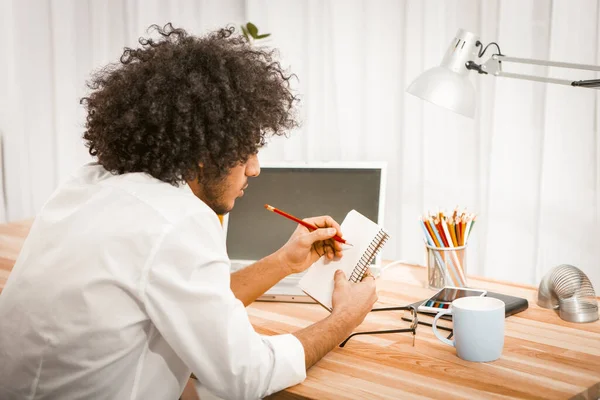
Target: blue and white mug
x,y
478,325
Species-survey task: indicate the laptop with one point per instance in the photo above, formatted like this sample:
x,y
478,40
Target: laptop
x,y
303,190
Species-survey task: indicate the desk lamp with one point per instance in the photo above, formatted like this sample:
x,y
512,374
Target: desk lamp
x,y
448,85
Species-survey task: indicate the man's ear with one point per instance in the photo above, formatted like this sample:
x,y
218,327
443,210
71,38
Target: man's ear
x,y
199,176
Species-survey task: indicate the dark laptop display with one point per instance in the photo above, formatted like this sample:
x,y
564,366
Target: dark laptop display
x,y
253,232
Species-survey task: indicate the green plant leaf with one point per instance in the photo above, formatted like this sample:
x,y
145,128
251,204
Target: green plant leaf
x,y
263,36
245,33
252,29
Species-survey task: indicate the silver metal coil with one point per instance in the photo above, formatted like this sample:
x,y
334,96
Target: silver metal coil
x,y
568,289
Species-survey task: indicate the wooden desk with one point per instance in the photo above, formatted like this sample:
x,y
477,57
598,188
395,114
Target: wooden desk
x,y
544,357
12,237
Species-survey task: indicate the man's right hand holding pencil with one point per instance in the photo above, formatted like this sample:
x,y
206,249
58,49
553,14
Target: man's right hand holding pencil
x,y
306,246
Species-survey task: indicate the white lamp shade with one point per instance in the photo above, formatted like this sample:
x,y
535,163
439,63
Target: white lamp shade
x,y
446,88
448,85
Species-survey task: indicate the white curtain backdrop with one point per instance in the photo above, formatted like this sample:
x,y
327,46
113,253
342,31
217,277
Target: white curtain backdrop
x,y
528,164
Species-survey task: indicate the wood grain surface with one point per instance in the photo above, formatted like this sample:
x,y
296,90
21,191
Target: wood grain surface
x,y
544,357
12,237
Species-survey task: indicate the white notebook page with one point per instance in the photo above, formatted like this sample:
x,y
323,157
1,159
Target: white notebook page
x,y
317,282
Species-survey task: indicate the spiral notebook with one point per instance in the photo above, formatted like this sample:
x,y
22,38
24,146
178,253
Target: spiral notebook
x,y
367,239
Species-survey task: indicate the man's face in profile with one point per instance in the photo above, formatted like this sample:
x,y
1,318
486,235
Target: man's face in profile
x,y
220,195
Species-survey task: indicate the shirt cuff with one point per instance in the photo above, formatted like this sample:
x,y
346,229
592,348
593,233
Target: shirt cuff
x,y
289,367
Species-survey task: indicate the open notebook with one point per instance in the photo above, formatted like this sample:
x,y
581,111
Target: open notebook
x,y
367,239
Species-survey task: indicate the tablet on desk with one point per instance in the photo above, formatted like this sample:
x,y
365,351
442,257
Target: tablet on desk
x,y
442,300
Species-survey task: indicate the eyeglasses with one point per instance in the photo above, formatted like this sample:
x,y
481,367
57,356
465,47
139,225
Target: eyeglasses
x,y
413,324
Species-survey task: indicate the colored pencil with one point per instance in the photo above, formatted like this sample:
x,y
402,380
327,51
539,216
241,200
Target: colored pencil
x,y
452,232
305,224
448,231
439,262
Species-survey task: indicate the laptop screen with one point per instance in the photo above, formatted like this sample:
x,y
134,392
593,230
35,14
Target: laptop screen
x,y
253,232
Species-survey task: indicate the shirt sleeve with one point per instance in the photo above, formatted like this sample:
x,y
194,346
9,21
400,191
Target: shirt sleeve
x,y
187,296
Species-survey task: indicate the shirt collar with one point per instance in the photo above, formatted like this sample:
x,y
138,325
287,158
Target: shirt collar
x,y
186,188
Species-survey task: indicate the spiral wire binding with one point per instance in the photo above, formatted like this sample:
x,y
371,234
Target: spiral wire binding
x,y
568,289
365,260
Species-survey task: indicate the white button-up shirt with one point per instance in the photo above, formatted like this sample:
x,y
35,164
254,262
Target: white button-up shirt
x,y
121,290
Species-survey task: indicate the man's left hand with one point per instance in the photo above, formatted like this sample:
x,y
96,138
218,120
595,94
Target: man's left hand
x,y
305,247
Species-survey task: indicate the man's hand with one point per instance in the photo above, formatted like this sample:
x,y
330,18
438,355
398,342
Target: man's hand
x,y
353,301
305,247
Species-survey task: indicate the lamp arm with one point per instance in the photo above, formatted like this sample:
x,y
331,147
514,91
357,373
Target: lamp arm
x,y
494,67
519,60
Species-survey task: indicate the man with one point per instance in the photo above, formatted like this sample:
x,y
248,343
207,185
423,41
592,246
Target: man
x,y
123,287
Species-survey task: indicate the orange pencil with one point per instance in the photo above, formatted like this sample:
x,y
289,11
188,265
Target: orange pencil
x,y
452,233
433,235
438,225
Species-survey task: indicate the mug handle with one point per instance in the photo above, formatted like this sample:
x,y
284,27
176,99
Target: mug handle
x,y
435,330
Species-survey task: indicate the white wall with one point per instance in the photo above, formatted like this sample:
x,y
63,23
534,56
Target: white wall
x,y
528,163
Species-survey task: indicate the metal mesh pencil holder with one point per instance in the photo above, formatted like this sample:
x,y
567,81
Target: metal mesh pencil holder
x,y
446,266
568,289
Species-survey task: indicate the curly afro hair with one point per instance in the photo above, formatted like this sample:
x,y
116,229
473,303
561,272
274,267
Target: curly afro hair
x,y
183,107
